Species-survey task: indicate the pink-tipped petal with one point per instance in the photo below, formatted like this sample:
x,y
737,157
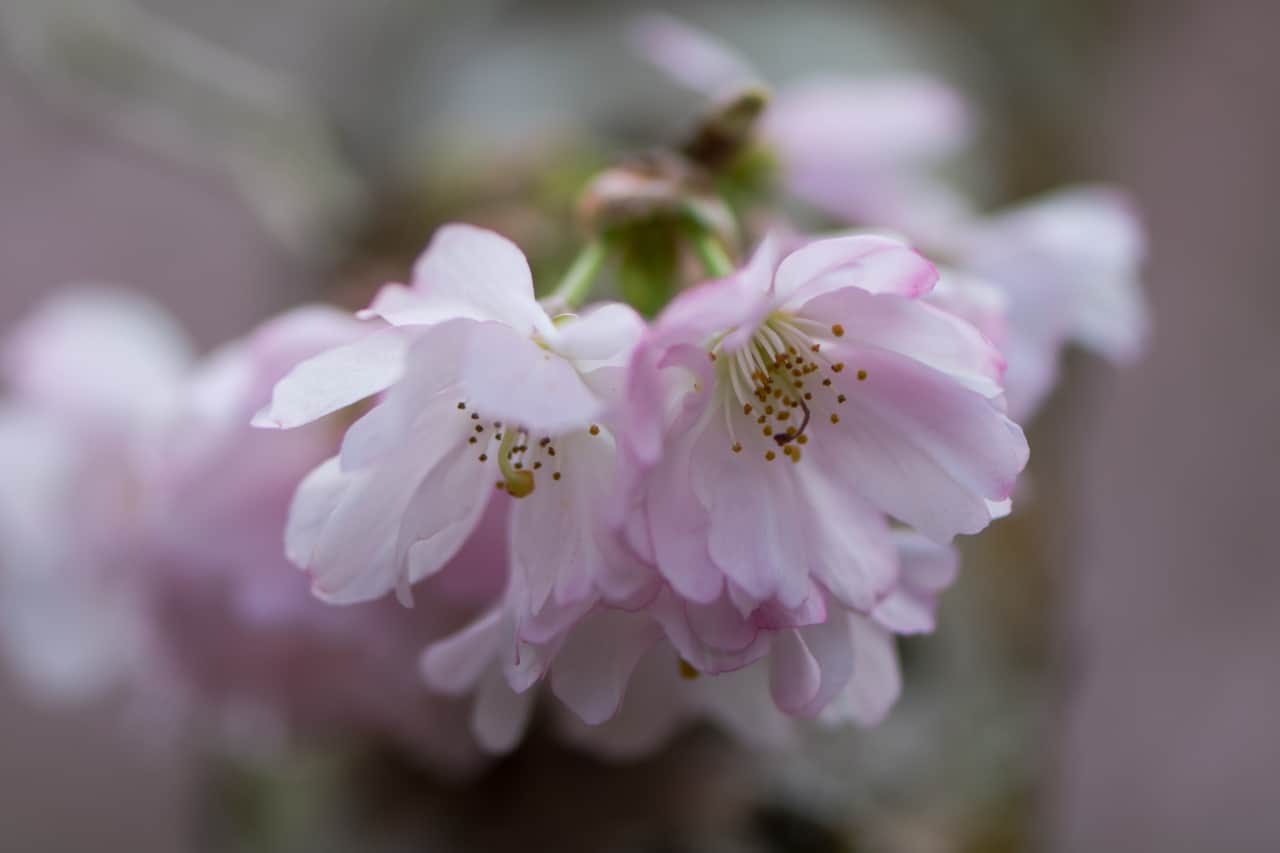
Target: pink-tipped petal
x,y
867,262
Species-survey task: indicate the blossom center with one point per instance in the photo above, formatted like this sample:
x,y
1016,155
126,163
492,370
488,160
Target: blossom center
x,y
519,453
780,385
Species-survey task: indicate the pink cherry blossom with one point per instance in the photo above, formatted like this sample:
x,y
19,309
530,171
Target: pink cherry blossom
x,y
776,418
483,389
860,149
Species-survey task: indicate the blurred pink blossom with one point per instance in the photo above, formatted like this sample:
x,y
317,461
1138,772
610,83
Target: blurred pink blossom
x,y
144,520
1069,265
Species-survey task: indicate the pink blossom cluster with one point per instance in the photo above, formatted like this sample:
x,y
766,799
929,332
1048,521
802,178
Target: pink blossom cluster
x,y
754,492
727,512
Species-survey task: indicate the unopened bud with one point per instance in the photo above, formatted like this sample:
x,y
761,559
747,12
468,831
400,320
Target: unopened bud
x,y
650,188
728,131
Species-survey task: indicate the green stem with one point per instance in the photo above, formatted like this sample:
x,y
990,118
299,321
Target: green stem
x,y
711,253
577,282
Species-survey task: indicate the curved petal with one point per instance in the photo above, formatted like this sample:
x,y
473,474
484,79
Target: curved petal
x,y
738,301
357,555
831,644
678,526
468,272
918,445
755,518
656,703
500,715
510,378
868,262
877,680
927,569
456,663
975,300
425,399
850,550
594,666
442,513
314,502
335,379
558,542
605,335
794,675
927,334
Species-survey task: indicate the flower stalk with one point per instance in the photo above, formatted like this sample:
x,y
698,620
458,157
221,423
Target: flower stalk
x,y
580,277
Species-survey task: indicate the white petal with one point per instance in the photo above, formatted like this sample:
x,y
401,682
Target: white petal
x,y
469,272
605,335
927,569
456,664
657,702
877,680
356,556
594,666
335,379
314,502
442,513
555,531
501,715
425,398
511,379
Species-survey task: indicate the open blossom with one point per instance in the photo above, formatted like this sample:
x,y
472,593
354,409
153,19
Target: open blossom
x,y
860,149
486,399
774,422
816,395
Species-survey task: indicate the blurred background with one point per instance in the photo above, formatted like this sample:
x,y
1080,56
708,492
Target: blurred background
x,y
1106,674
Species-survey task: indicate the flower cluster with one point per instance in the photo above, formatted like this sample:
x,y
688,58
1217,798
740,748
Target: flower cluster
x,y
718,491
728,510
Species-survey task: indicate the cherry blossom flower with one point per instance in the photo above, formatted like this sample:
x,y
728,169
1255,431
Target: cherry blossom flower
x,y
777,417
483,390
860,149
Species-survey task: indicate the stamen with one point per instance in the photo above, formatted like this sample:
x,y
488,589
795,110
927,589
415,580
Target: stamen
x,y
519,483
